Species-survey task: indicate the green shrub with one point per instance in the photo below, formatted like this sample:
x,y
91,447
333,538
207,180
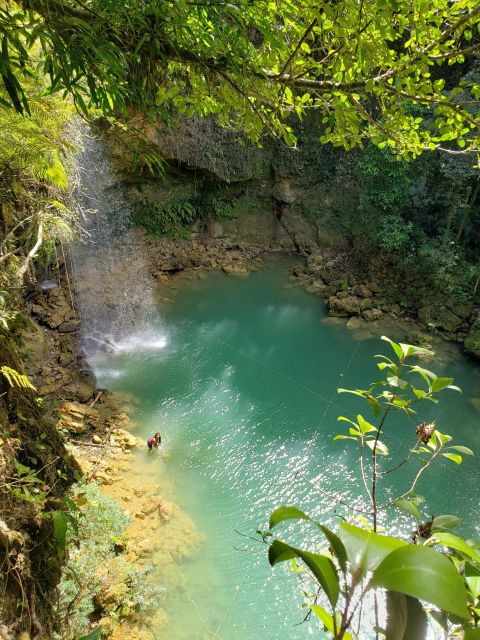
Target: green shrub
x,y
94,569
172,218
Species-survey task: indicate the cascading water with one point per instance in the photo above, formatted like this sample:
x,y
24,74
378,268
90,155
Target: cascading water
x,y
114,291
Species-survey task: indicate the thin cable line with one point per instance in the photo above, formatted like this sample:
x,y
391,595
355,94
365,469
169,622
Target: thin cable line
x,y
266,366
330,401
237,591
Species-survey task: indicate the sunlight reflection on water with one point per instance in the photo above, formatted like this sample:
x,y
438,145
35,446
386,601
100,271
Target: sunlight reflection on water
x,y
246,403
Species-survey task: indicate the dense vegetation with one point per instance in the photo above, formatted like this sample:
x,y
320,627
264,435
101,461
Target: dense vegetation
x,y
391,77
366,66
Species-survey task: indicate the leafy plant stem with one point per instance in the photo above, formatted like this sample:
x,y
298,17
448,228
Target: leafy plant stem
x,y
362,469
410,454
419,474
374,465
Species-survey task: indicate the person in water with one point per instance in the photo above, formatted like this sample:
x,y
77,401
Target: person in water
x,y
156,441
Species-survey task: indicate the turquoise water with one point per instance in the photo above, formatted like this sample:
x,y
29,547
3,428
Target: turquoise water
x,y
240,377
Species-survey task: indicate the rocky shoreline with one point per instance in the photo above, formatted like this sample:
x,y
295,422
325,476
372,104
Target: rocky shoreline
x,y
328,273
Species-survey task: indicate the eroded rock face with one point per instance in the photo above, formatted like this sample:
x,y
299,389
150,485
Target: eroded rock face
x,y
156,503
77,418
300,230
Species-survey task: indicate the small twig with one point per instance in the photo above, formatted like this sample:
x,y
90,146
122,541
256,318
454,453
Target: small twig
x,y
96,399
410,453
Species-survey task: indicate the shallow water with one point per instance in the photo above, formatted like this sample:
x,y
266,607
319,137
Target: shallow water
x,y
240,378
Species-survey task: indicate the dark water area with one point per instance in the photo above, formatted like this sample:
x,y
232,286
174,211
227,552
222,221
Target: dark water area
x,y
240,376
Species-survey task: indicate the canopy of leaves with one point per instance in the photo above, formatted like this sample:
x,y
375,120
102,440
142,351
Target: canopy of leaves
x,y
365,65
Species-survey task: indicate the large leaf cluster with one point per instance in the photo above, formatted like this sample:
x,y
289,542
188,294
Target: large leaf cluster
x,y
253,64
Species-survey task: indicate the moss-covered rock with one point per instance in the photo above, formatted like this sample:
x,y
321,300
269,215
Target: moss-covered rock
x,y
472,343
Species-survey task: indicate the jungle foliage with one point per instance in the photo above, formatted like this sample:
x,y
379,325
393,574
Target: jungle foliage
x,y
35,162
367,67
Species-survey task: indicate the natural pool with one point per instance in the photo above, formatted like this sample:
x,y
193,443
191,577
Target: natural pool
x,y
240,377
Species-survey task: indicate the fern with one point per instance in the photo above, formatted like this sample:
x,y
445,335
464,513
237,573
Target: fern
x,y
16,379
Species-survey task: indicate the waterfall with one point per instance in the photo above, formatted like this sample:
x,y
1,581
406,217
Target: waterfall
x,y
115,294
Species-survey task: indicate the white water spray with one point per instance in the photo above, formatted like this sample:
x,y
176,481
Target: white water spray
x,y
115,293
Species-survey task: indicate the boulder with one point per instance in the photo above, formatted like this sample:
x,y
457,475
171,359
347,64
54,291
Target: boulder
x,y
472,343
124,438
315,261
283,192
235,269
363,291
370,315
151,504
314,287
326,276
439,316
462,310
355,323
374,287
69,326
365,303
82,390
419,339
343,307
104,478
166,510
300,230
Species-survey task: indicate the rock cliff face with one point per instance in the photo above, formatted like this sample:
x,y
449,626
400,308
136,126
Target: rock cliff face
x,y
295,197
279,199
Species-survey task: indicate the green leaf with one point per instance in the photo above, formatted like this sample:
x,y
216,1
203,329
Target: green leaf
x,y
454,542
427,375
322,567
336,545
355,392
408,507
442,438
365,549
364,425
286,513
395,381
443,383
444,523
423,573
411,350
96,634
60,522
472,577
471,634
406,619
280,551
382,449
453,456
396,347
465,450
324,616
